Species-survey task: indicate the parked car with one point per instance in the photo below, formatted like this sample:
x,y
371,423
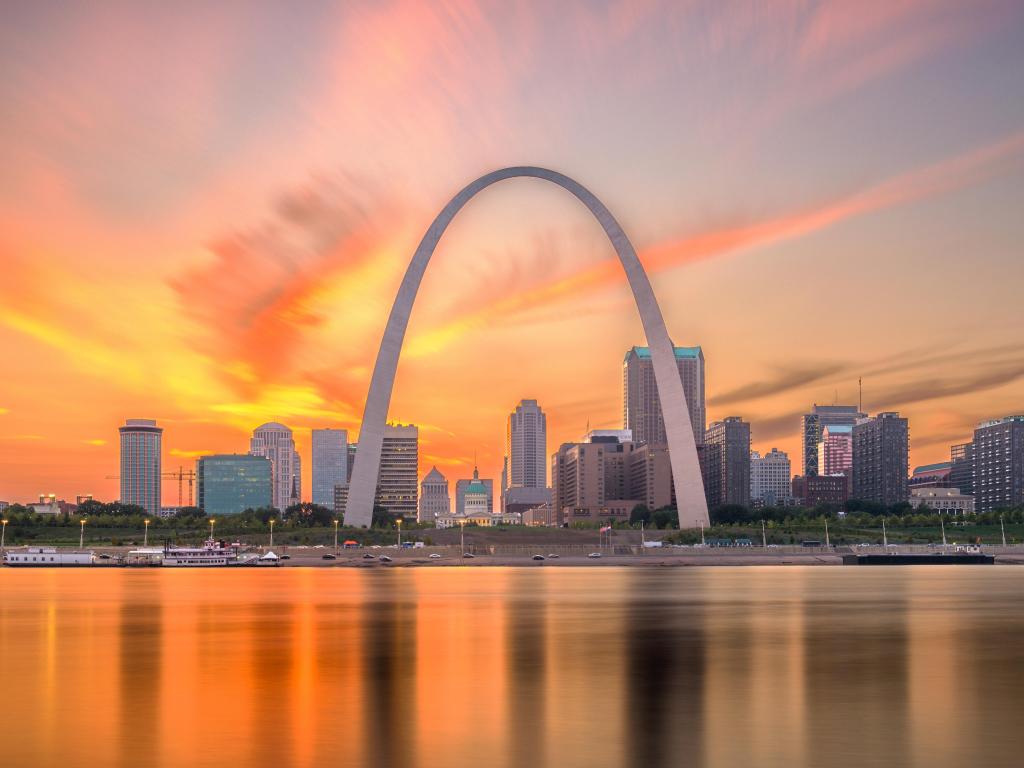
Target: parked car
x,y
367,556
538,557
385,559
468,555
329,556
435,556
593,555
552,556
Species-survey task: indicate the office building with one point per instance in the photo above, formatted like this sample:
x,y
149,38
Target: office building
x,y
434,500
770,478
881,446
961,469
518,500
641,406
398,480
948,501
274,441
140,464
526,447
830,490
999,464
727,462
227,484
330,464
931,475
812,424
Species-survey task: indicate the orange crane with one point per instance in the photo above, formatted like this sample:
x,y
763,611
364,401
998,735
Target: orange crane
x,y
182,474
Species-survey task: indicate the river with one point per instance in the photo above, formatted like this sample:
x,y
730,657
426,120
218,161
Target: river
x,y
450,667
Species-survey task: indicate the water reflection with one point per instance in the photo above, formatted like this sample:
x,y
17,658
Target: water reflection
x,y
503,667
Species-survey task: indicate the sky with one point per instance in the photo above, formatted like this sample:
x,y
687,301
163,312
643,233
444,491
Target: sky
x,y
207,209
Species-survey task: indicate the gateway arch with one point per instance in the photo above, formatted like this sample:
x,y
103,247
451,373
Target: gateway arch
x,y
682,449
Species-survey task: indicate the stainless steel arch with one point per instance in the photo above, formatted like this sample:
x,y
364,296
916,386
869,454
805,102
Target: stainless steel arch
x,y
690,499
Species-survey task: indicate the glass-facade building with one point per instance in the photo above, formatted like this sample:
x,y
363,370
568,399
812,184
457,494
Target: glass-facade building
x,y
140,464
231,483
330,464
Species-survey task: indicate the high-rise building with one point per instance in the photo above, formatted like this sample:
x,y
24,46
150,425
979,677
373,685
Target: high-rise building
x,y
727,462
274,441
999,464
881,447
641,406
397,482
227,484
434,499
351,461
526,445
330,464
832,490
140,464
961,470
770,478
835,450
812,424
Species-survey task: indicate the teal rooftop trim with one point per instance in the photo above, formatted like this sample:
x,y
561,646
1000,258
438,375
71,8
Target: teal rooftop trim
x,y
684,353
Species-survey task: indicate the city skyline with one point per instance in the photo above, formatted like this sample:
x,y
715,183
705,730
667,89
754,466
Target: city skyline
x,y
152,266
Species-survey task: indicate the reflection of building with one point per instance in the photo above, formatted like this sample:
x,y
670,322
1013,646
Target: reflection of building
x,y
140,464
727,462
769,478
330,464
434,499
397,483
832,490
946,500
525,449
835,450
812,424
274,441
931,475
641,405
999,464
230,483
881,447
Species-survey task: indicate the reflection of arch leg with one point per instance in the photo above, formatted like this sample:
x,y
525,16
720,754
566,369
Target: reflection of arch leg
x,y
682,448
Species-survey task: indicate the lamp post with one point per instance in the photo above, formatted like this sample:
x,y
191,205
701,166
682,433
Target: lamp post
x,y
335,536
1002,527
81,533
3,535
271,533
462,535
398,522
212,521
145,536
764,536
827,544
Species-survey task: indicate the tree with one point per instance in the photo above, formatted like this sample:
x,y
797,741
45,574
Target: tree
x,y
309,514
382,517
666,517
188,513
640,514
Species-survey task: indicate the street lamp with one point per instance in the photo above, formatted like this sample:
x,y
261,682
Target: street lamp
x,y
398,522
145,536
271,533
81,533
3,535
335,536
212,521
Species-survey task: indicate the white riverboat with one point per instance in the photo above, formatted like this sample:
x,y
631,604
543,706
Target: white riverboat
x,y
212,554
47,557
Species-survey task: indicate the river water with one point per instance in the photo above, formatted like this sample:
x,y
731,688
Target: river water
x,y
449,667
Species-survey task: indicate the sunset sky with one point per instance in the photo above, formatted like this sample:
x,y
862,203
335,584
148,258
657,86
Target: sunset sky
x,y
207,209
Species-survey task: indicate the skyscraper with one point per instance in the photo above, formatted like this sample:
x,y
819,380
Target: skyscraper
x,y
230,483
397,482
140,464
881,447
727,462
434,499
999,464
812,424
770,477
961,470
641,406
835,450
274,441
526,447
330,464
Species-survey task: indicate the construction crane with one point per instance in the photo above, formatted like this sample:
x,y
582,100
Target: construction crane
x,y
181,474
